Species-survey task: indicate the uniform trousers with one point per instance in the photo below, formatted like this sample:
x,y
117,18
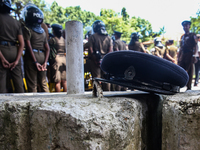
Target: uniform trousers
x,y
10,54
33,76
197,69
96,72
186,63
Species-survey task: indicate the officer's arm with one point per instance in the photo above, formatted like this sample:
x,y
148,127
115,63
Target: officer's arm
x,y
180,49
21,47
143,49
115,47
47,50
196,46
29,48
4,62
91,50
90,45
110,47
20,50
170,58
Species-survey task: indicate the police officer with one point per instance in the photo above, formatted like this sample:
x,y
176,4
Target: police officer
x,y
99,45
188,48
118,43
57,58
37,49
10,52
85,42
197,64
134,44
159,49
171,51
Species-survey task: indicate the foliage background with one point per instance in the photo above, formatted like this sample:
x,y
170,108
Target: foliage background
x,y
122,21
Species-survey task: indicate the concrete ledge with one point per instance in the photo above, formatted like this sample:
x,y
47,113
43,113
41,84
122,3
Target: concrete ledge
x,y
181,121
72,122
118,121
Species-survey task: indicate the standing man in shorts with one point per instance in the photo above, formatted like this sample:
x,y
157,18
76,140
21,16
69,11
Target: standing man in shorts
x,y
57,59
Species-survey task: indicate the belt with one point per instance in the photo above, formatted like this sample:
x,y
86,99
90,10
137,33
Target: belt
x,y
38,50
6,43
62,54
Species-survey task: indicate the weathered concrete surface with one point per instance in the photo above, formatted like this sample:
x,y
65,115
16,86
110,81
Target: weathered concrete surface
x,y
181,121
77,122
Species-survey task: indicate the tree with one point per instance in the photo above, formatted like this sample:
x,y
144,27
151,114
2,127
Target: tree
x,y
195,23
124,14
19,5
113,20
57,14
75,13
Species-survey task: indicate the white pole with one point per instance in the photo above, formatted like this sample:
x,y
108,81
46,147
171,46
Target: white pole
x,y
74,57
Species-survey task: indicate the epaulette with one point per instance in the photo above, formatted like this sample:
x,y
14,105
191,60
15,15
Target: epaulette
x,y
25,27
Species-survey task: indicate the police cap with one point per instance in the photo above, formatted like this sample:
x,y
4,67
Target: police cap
x,y
144,72
186,22
170,41
56,26
118,33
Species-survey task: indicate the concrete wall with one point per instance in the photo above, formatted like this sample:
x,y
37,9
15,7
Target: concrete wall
x,y
181,121
69,122
118,121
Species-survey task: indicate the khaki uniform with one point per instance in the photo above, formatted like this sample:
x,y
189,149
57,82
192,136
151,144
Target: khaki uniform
x,y
9,30
58,62
119,44
100,43
159,51
185,60
33,76
172,51
136,47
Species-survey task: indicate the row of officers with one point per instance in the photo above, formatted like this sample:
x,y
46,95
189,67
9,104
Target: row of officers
x,y
30,34
39,50
99,44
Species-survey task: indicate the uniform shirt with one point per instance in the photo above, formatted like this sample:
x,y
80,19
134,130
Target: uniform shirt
x,y
37,39
188,42
100,43
58,44
136,47
119,44
172,51
44,26
9,28
159,51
